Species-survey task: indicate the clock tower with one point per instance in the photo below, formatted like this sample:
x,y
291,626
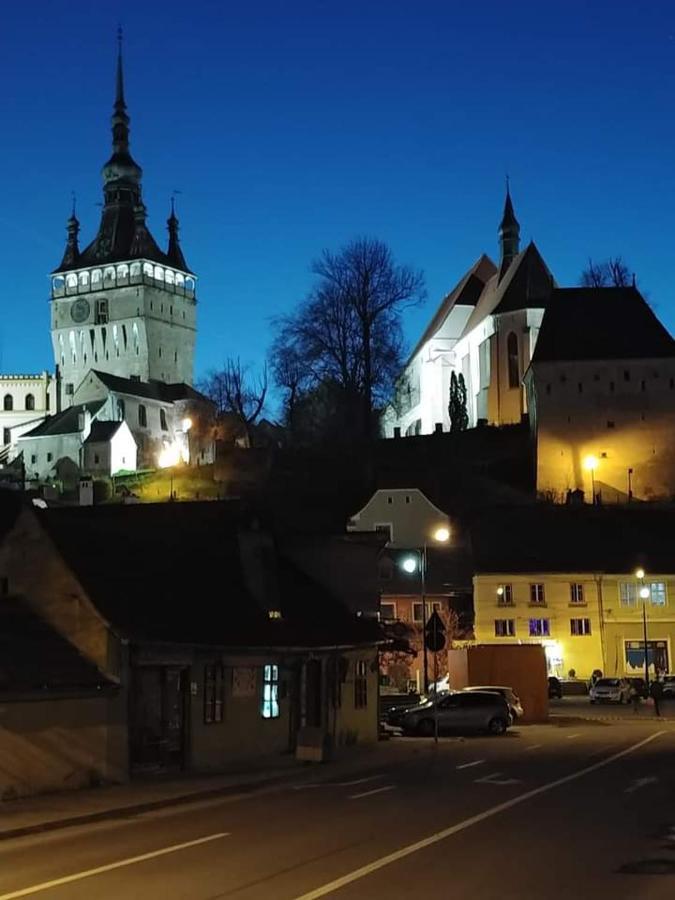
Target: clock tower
x,y
122,305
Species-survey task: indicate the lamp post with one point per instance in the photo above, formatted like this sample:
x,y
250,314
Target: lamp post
x,y
644,594
440,535
591,464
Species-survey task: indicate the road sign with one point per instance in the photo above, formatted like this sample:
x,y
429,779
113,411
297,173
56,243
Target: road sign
x,y
434,633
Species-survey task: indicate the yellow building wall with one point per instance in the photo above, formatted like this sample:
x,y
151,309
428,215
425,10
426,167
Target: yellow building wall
x,y
564,651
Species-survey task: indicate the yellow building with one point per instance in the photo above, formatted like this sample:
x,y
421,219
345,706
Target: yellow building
x,y
568,578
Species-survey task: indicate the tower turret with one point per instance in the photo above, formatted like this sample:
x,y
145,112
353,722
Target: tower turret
x,y
509,235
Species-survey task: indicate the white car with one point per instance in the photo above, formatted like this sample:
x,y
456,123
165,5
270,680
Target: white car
x,y
669,686
611,690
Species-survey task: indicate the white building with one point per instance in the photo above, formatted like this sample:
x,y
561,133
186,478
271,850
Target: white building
x,y
485,329
24,400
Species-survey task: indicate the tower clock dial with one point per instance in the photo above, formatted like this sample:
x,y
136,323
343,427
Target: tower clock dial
x,y
79,311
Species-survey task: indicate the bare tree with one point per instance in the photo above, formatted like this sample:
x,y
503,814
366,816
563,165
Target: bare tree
x,y
612,272
292,375
348,331
233,390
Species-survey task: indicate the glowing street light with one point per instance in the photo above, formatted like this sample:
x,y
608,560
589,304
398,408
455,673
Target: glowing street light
x,y
409,564
591,464
442,534
644,593
187,424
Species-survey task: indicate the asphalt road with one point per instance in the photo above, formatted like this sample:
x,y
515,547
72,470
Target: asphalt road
x,y
586,810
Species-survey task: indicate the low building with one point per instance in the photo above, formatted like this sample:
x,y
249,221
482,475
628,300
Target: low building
x,y
565,578
24,401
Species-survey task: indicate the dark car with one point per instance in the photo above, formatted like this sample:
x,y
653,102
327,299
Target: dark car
x,y
639,685
459,711
554,688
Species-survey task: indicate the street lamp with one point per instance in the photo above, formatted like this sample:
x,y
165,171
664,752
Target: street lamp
x,y
644,596
591,464
410,564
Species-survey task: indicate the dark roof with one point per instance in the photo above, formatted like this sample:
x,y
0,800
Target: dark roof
x,y
615,539
183,573
152,390
101,432
600,323
65,422
33,656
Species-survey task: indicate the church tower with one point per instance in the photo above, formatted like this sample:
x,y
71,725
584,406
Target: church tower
x,y
509,236
122,305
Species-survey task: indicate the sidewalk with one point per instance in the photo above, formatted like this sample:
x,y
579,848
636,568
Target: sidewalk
x,y
50,812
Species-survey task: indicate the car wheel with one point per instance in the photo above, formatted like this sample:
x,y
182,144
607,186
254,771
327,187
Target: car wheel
x,y
498,725
425,727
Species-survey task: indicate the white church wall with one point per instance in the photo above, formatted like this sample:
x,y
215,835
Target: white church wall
x,y
40,454
123,451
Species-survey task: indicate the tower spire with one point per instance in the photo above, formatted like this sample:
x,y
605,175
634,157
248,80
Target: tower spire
x,y
71,254
509,234
174,252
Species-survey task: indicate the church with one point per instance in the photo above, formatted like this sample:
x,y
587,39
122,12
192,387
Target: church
x,y
123,327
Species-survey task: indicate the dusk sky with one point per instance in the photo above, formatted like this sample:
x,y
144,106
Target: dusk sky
x,y
288,127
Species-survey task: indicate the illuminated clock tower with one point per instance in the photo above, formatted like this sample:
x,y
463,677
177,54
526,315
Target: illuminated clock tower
x,y
122,305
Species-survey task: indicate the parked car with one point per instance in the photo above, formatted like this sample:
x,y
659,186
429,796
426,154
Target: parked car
x,y
669,687
512,699
459,711
610,690
639,685
554,688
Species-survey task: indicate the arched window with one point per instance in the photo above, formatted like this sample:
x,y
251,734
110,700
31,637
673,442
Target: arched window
x,y
30,401
159,273
512,354
120,409
162,420
8,403
84,279
142,416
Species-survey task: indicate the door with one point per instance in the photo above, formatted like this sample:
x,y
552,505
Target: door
x,y
157,718
313,693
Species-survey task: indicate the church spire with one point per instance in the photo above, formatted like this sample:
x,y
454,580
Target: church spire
x,y
71,254
174,252
509,234
121,167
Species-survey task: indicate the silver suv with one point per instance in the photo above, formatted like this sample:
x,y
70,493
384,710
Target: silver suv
x,y
459,711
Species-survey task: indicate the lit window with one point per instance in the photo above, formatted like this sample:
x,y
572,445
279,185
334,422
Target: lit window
x,y
84,279
628,593
505,627
159,273
270,697
540,628
361,685
657,593
147,269
537,595
505,595
576,593
387,611
580,626
214,693
274,614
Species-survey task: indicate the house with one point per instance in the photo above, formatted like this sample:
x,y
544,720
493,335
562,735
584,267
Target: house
x,y
567,578
220,647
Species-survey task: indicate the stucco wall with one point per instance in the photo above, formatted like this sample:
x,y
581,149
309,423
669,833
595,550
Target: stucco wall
x,y
413,518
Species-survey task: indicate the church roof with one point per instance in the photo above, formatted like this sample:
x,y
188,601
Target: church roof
x,y
102,432
527,284
151,390
600,323
64,422
466,292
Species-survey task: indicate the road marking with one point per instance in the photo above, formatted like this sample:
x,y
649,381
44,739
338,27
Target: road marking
x,y
360,780
495,779
639,783
99,870
478,762
570,736
357,874
388,787
533,747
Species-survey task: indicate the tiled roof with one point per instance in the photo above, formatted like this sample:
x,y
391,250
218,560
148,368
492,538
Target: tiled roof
x,y
101,432
151,390
65,422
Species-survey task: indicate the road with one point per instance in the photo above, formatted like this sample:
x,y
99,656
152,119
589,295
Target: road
x,y
546,811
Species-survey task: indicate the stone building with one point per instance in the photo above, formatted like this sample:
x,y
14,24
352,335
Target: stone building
x,y
24,400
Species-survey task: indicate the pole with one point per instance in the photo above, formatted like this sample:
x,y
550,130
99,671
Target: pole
x,y
423,573
435,696
644,636
593,484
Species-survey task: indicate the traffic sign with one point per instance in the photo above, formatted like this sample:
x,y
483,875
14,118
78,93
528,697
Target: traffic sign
x,y
434,633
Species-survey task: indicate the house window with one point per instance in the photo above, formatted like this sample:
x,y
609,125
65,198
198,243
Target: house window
x,y
505,627
387,611
120,410
537,594
162,420
8,403
540,627
628,593
384,528
270,697
361,685
33,459
580,626
30,401
96,459
142,416
214,693
418,612
505,595
576,593
6,436
657,593
512,355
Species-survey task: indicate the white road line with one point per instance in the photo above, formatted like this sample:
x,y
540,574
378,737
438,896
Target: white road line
x,y
495,779
478,762
533,747
360,780
640,783
99,870
388,787
357,874
570,736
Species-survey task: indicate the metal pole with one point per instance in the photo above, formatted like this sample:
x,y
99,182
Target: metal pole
x,y
435,696
423,572
644,635
593,485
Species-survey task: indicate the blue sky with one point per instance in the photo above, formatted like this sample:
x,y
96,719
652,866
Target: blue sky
x,y
292,126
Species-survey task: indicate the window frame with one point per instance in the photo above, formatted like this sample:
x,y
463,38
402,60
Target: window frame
x,y
577,594
542,631
269,701
361,684
214,693
392,605
537,594
506,598
628,593
580,627
508,630
142,415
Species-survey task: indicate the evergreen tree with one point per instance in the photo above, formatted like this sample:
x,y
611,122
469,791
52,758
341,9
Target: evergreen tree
x,y
459,417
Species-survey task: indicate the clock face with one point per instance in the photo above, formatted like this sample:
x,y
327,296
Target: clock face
x,y
79,311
